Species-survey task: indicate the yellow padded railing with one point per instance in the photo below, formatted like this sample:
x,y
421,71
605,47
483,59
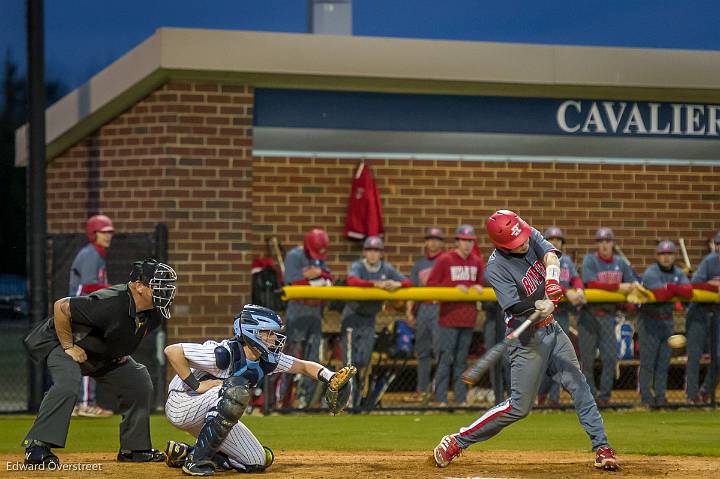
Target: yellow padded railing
x,y
352,293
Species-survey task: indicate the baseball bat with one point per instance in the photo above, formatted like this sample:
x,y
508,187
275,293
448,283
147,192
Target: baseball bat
x,y
619,252
473,373
686,258
278,254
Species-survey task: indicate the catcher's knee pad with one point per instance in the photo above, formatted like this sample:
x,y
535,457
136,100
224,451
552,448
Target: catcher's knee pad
x,y
234,398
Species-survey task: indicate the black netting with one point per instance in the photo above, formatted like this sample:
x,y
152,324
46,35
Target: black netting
x,y
15,390
607,344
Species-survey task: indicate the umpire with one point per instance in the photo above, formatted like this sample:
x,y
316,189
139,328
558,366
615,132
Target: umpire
x,y
94,336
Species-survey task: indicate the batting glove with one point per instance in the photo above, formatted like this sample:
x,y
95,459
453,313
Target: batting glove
x,y
553,291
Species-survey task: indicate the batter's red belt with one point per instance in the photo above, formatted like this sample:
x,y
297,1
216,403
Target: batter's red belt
x,y
514,323
544,322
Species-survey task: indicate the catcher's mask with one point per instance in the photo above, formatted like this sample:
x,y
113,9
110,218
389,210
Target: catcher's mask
x,y
255,320
160,278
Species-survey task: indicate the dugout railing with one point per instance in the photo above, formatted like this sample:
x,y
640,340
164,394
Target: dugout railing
x,y
400,370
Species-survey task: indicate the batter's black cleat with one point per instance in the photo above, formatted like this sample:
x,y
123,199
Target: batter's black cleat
x,y
39,454
176,453
147,455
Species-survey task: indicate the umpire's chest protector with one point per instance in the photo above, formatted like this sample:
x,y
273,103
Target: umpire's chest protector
x,y
233,358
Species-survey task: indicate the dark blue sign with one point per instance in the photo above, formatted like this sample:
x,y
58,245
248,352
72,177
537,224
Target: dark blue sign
x,y
483,114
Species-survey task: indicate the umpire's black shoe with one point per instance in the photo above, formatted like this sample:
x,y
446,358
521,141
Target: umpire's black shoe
x,y
176,453
37,454
147,455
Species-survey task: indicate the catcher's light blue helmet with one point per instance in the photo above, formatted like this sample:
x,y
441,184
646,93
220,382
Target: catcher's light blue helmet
x,y
252,321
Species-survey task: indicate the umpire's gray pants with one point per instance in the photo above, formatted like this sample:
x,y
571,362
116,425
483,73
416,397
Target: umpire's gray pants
x,y
453,345
598,333
536,351
130,383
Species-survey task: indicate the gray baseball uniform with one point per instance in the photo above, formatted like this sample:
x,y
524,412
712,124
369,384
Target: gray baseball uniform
x,y
562,317
360,315
697,325
519,280
304,320
596,324
655,327
426,319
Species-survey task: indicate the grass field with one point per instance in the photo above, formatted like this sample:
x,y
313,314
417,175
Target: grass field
x,y
673,433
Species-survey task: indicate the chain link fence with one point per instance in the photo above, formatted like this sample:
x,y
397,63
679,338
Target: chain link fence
x,y
16,393
609,348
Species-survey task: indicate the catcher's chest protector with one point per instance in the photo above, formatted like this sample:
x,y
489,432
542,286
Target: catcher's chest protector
x,y
233,357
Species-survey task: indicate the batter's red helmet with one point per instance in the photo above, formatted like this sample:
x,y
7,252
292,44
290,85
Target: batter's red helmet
x,y
507,230
97,223
316,243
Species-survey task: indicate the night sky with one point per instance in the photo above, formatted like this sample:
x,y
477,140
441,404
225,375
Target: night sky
x,y
84,36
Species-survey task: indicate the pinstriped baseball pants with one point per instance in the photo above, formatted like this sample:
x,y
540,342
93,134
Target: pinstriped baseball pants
x,y
188,412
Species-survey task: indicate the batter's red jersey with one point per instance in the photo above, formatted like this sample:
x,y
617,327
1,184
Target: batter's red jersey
x,y
450,270
364,213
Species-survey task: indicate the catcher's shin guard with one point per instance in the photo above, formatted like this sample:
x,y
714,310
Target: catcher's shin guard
x,y
234,399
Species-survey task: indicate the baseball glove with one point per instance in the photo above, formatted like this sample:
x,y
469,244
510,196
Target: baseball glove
x,y
338,391
640,295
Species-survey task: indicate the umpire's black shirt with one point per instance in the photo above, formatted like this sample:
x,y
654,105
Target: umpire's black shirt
x,y
104,323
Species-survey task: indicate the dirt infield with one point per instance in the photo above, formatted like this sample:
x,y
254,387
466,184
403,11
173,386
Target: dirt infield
x,y
403,465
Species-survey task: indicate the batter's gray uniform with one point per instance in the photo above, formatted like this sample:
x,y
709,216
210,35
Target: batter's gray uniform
x,y
562,317
426,320
596,324
519,279
697,326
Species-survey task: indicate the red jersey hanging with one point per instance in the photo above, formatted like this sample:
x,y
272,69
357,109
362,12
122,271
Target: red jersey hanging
x,y
364,213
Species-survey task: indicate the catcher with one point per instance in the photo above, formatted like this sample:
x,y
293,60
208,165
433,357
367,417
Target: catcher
x,y
212,387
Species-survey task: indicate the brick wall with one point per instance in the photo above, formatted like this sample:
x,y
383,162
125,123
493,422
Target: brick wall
x,y
643,204
180,156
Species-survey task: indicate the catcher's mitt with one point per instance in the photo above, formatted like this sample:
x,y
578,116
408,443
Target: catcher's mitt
x,y
640,295
338,391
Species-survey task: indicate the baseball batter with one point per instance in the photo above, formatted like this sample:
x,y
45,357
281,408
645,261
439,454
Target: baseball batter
x,y
211,390
523,269
572,287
